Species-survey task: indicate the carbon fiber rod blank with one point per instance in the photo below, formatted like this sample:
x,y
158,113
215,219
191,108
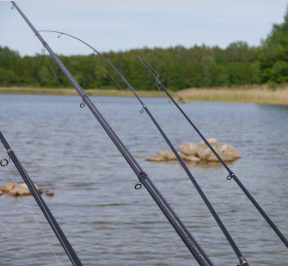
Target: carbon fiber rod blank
x,y
42,205
242,260
182,231
231,174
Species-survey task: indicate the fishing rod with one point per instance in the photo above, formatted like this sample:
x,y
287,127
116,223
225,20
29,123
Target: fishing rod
x,y
144,179
41,203
230,173
238,253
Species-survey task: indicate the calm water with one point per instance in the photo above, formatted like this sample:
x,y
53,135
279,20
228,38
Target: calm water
x,y
108,222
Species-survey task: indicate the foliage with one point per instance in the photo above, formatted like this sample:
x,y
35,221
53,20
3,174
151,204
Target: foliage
x,y
179,67
274,54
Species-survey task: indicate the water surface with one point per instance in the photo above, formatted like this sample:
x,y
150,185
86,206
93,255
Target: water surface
x,y
108,222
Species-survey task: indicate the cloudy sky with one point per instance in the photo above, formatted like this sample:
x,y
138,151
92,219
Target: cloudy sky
x,y
118,25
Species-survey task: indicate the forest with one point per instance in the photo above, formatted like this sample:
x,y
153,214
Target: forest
x,y
179,67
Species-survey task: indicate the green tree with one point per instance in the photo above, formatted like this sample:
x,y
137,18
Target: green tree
x,y
239,73
194,75
175,76
208,62
274,53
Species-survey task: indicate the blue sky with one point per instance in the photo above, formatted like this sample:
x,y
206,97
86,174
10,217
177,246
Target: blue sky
x,y
124,25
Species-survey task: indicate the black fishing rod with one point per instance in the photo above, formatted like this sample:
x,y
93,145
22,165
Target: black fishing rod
x,y
241,258
174,220
231,174
41,203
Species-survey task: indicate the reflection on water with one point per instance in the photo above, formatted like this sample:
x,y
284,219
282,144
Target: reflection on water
x,y
108,222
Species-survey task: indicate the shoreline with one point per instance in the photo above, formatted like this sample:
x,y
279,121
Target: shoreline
x,y
72,91
259,94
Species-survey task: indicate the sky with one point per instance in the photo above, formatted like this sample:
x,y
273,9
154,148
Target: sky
x,y
125,25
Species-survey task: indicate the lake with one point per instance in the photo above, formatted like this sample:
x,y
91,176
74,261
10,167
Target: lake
x,y
64,149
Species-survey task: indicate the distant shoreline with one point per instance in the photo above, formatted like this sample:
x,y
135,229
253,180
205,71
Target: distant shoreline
x,y
246,94
72,91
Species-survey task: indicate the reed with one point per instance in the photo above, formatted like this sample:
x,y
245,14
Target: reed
x,y
246,94
90,92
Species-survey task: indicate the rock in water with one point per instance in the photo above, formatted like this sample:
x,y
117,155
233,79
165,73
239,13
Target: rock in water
x,y
210,141
226,156
1,193
169,155
235,153
228,148
203,151
8,187
20,191
162,153
182,155
49,193
188,148
155,159
25,186
192,158
23,190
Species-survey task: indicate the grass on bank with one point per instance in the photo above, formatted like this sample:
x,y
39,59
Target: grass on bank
x,y
72,91
244,94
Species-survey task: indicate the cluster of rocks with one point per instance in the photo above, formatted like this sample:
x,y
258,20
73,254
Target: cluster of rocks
x,y
21,190
192,152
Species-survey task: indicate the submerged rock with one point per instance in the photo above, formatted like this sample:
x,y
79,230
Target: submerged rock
x,y
49,193
155,159
20,190
192,158
169,155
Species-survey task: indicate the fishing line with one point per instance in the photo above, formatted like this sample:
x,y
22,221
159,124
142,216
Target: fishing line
x,y
109,74
182,231
95,51
62,33
53,223
132,179
29,207
230,173
14,181
123,205
138,185
237,251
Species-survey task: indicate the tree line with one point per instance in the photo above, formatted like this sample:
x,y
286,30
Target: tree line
x,y
179,67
